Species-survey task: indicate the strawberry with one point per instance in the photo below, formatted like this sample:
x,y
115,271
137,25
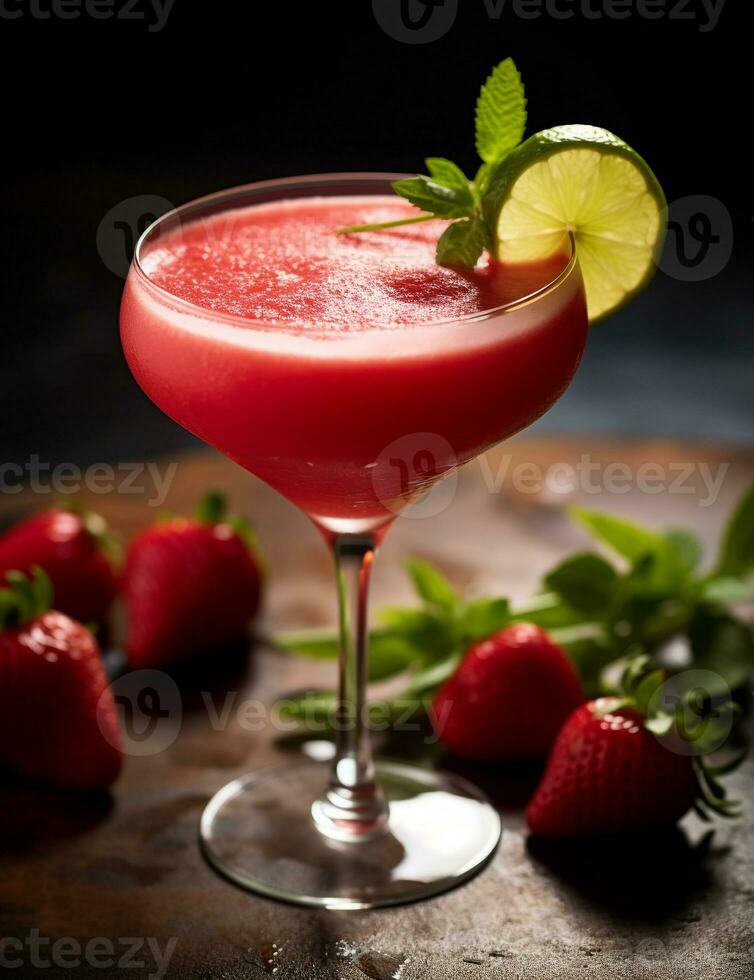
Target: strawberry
x,y
509,696
189,584
77,552
610,773
57,714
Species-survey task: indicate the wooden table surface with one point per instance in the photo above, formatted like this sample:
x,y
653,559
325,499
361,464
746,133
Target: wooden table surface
x,y
129,867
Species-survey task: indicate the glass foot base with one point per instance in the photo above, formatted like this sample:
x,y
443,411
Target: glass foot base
x,y
259,832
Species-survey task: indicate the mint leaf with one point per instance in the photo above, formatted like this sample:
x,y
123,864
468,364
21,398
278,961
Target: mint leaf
x,y
447,173
430,633
431,585
500,113
726,589
585,581
462,243
426,682
737,549
588,654
687,545
317,710
389,653
657,564
546,610
482,179
483,617
429,195
628,539
724,646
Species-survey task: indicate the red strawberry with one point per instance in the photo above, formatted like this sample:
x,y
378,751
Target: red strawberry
x,y
76,551
509,696
189,584
57,715
609,774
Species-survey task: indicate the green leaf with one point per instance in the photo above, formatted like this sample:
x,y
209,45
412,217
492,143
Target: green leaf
x,y
389,653
316,710
737,550
429,195
723,768
585,581
44,591
726,590
431,585
26,600
25,597
632,673
462,243
482,179
500,113
712,795
657,564
427,681
647,688
483,617
722,645
546,610
628,539
687,546
212,507
447,173
319,646
660,724
588,654
431,634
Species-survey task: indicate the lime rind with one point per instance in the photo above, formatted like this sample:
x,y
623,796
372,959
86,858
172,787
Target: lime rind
x,y
587,182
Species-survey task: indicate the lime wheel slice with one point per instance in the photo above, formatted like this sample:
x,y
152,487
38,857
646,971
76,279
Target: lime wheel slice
x,y
587,182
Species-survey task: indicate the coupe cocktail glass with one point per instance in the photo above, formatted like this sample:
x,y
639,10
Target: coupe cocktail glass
x,y
352,426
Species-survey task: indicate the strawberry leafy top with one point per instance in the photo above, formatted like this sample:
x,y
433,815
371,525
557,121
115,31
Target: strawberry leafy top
x,y
97,528
695,722
213,509
24,598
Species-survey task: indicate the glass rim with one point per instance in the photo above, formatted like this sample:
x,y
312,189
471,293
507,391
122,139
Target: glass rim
x,y
322,180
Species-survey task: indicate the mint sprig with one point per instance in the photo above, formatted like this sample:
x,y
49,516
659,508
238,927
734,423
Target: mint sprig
x,y
603,609
446,193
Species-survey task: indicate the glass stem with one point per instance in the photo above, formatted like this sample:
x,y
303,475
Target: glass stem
x,y
353,807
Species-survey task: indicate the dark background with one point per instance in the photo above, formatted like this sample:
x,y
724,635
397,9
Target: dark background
x,y
96,112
